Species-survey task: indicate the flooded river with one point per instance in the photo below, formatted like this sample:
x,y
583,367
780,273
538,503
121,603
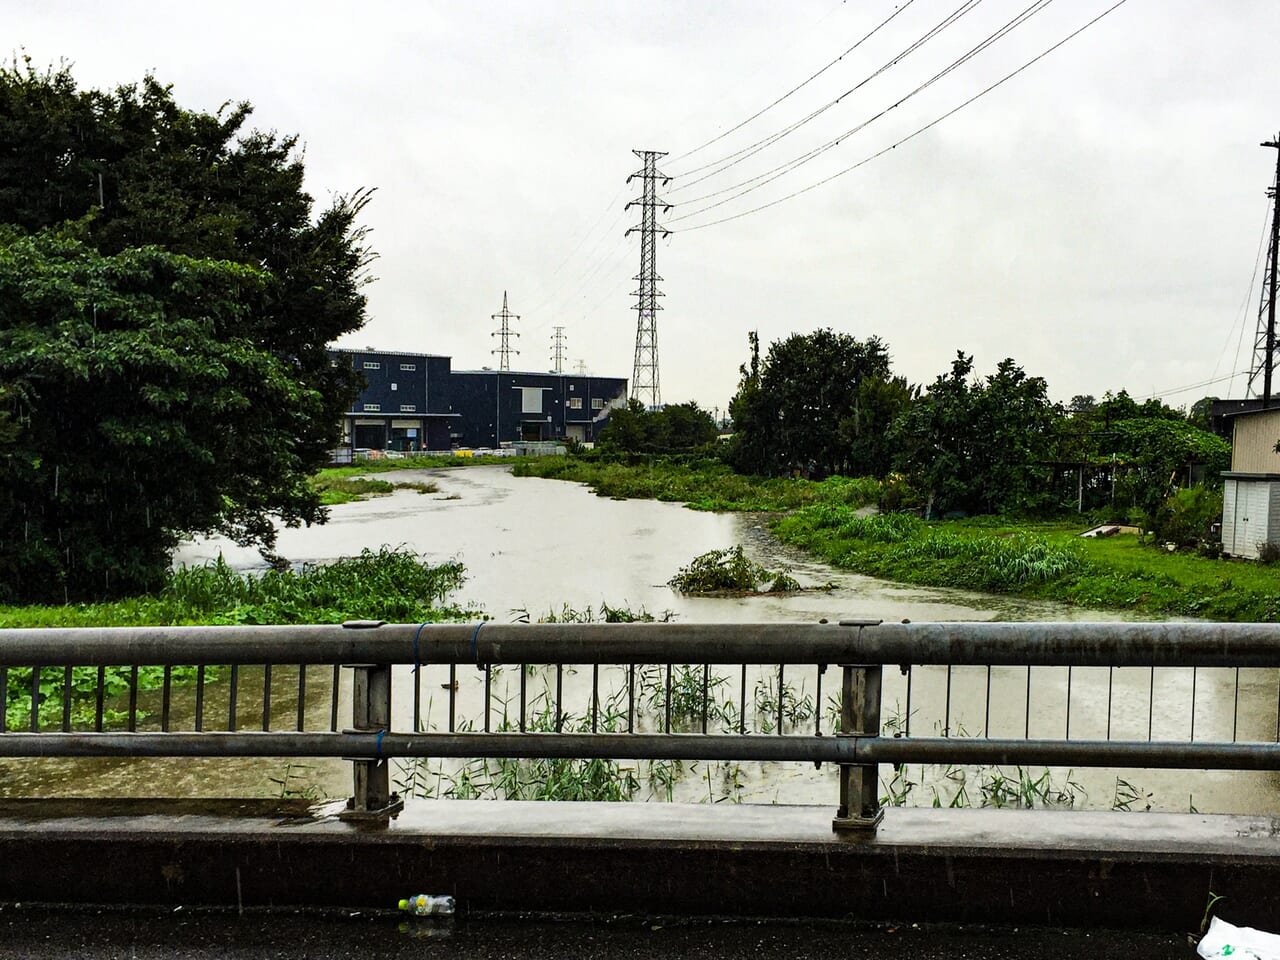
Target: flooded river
x,y
533,547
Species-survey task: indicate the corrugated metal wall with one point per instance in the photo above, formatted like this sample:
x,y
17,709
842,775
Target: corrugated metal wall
x,y
1253,447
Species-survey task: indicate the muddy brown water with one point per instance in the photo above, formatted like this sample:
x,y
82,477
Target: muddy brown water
x,y
532,547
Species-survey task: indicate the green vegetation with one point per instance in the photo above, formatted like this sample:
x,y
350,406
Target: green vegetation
x,y
411,462
1047,560
339,489
393,585
167,294
703,484
677,427
720,573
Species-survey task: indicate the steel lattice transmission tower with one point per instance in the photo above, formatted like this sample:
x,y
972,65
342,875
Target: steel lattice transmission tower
x,y
1264,346
557,349
504,331
644,376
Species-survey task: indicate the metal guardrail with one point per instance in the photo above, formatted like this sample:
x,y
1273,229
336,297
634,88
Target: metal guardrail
x,y
860,648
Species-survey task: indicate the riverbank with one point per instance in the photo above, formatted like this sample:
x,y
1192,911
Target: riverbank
x,y
1043,560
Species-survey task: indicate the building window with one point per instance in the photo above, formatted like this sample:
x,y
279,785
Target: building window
x,y
395,386
575,403
597,403
408,408
408,366
372,407
372,365
530,399
571,388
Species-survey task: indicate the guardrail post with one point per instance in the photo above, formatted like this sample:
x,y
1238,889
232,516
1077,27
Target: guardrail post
x,y
372,798
860,809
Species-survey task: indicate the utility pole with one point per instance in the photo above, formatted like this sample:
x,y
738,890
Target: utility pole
x,y
644,376
557,348
1264,348
504,331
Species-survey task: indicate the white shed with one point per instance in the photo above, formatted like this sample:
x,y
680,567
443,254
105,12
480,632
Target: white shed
x,y
1251,489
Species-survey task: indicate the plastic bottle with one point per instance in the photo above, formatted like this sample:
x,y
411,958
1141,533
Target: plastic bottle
x,y
422,905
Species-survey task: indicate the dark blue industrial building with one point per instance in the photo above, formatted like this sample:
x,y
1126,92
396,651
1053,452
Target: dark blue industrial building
x,y
414,401
505,406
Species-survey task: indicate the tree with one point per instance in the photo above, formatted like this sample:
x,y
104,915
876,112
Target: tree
x,y
979,446
789,409
166,299
675,428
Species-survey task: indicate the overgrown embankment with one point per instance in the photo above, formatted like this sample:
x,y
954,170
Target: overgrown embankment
x,y
702,484
393,585
1043,560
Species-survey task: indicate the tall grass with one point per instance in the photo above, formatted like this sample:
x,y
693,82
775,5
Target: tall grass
x,y
702,484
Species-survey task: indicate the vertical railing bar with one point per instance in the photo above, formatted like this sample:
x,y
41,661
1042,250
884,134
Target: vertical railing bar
x,y
302,697
706,692
667,706
559,697
333,698
1026,720
631,698
488,695
453,697
1111,673
35,699
906,726
946,717
986,716
1235,709
524,669
1195,671
595,696
66,699
1151,703
166,697
742,713
266,697
817,723
133,697
4,699
1067,735
100,696
417,697
199,697
781,697
231,698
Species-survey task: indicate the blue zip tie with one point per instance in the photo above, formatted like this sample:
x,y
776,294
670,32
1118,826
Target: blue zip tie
x,y
381,734
474,637
416,659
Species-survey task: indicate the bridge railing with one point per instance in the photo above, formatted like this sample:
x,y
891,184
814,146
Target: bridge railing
x,y
654,694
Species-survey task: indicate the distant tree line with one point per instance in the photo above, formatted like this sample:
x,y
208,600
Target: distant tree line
x,y
828,403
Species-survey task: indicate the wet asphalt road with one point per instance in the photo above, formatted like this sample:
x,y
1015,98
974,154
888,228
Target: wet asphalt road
x,y
95,934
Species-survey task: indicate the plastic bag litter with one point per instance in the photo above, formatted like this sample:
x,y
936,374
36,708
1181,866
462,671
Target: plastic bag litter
x,y
1225,940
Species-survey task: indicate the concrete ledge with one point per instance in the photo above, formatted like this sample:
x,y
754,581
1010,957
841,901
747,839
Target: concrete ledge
x,y
987,866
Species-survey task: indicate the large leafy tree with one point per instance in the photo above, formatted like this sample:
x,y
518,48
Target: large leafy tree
x,y
166,298
980,445
675,428
799,408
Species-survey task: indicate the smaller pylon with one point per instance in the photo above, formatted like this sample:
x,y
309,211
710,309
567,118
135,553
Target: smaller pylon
x,y
504,331
557,349
581,367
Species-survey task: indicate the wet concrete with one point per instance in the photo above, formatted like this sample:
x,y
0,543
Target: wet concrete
x,y
147,935
1144,871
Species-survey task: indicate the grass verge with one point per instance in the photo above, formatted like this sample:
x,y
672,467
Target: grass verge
x,y
701,484
1046,560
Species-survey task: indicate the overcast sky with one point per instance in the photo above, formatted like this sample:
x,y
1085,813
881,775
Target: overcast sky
x,y
1097,217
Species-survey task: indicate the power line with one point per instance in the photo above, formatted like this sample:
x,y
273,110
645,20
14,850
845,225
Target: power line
x,y
760,180
733,159
911,136
800,86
